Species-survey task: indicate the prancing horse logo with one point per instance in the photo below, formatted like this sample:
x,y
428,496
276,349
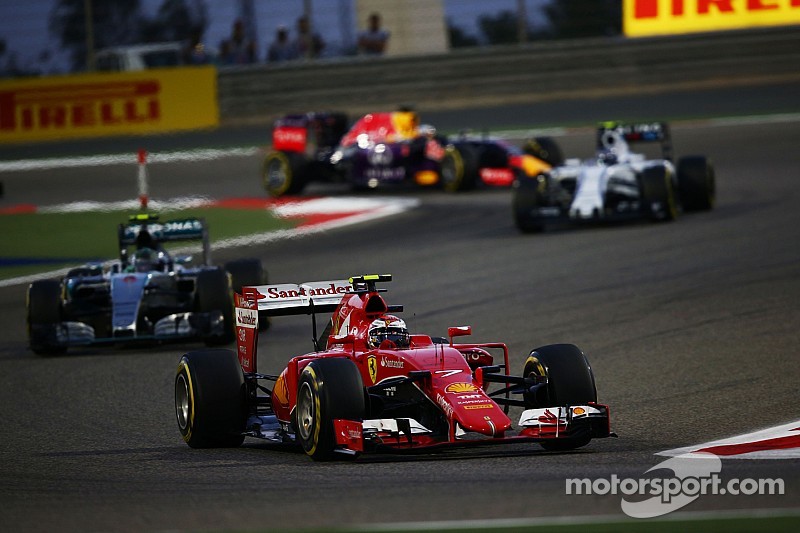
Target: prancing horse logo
x,y
372,366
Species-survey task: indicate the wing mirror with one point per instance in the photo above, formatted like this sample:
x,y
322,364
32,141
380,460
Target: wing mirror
x,y
458,331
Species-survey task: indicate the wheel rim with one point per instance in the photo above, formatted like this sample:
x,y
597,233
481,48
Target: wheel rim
x,y
305,411
276,175
182,402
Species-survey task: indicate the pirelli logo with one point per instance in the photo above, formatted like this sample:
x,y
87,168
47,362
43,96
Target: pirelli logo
x,y
91,105
80,106
660,17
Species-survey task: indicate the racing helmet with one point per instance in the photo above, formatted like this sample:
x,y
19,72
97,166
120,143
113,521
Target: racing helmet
x,y
146,260
388,327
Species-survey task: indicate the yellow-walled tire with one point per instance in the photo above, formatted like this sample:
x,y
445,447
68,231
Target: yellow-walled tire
x,y
210,399
283,173
328,389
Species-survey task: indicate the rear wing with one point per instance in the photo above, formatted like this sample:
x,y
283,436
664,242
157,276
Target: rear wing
x,y
259,302
144,230
297,299
639,132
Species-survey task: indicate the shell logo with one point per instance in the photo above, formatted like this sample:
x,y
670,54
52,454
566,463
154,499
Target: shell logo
x,y
461,388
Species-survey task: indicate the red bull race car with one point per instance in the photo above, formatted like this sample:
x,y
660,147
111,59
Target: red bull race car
x,y
393,148
371,385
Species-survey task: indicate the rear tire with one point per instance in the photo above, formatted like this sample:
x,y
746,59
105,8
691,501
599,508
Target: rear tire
x,y
210,399
248,273
570,381
546,149
658,194
284,173
696,183
213,293
459,168
328,389
44,317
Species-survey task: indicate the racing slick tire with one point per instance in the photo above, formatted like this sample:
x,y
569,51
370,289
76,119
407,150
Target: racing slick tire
x,y
658,196
328,389
546,149
210,399
213,293
570,381
458,170
696,183
44,315
248,273
525,199
284,173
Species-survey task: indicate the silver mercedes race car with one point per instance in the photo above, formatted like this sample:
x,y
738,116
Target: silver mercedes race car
x,y
145,295
616,183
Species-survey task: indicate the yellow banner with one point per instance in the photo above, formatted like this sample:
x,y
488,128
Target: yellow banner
x,y
665,17
92,105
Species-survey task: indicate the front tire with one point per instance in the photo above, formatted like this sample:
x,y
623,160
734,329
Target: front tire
x,y
328,389
658,195
570,381
527,197
44,317
210,399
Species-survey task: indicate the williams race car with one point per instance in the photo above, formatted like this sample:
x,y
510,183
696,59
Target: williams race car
x,y
145,295
616,183
392,148
370,385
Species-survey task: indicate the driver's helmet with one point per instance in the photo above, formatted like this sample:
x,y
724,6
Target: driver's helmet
x,y
147,260
388,327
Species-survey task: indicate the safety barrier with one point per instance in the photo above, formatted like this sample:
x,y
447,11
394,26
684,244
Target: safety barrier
x,y
519,73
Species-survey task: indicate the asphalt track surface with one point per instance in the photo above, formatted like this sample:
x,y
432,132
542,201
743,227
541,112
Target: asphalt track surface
x,y
691,328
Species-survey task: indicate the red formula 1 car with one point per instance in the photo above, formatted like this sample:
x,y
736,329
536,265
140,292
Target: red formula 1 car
x,y
369,385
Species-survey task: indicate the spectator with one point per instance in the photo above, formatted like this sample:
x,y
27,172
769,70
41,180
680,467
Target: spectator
x,y
281,49
240,49
308,44
195,52
374,39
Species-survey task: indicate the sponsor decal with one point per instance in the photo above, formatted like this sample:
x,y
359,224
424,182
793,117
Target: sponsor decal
x,y
275,293
662,17
246,318
107,104
443,403
434,150
479,406
497,176
577,411
392,363
461,388
548,418
372,367
291,139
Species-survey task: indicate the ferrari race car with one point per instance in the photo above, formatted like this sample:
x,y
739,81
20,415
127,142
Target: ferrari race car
x,y
370,385
617,183
145,295
391,148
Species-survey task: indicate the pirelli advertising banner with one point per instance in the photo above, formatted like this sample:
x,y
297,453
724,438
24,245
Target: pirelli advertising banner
x,y
666,17
92,105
